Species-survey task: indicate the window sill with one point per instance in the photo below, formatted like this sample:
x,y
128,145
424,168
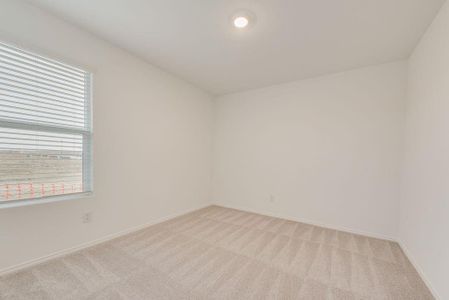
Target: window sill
x,y
50,199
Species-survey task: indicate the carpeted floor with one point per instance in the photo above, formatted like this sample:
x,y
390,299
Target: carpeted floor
x,y
220,253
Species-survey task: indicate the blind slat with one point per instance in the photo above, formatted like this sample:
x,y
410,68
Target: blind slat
x,y
39,109
32,100
50,88
40,136
42,95
14,116
39,90
39,61
41,113
32,65
7,71
39,72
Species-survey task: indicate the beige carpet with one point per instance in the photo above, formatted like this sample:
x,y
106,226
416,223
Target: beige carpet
x,y
220,253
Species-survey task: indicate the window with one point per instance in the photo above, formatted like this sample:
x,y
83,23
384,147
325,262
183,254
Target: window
x,y
45,128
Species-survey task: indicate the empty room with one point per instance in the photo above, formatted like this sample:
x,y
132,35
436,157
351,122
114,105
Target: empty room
x,y
224,149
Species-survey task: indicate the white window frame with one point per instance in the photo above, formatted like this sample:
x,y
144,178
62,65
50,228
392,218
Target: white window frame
x,y
87,134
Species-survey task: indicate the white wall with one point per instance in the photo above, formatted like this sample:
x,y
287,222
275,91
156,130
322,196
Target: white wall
x,y
424,209
152,142
328,149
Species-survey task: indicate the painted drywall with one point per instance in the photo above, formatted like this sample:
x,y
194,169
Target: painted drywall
x,y
325,150
152,142
424,208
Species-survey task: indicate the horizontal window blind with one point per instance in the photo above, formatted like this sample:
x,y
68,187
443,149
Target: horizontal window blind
x,y
45,130
39,91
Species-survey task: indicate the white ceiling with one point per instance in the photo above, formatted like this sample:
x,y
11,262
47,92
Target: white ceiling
x,y
292,39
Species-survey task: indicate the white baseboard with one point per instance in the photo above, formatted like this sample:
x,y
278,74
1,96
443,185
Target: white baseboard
x,y
106,238
330,226
418,269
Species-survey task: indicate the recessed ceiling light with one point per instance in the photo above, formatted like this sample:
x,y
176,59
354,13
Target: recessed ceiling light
x,y
241,22
243,19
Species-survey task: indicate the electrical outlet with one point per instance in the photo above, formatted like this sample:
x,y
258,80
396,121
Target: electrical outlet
x,y
87,217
